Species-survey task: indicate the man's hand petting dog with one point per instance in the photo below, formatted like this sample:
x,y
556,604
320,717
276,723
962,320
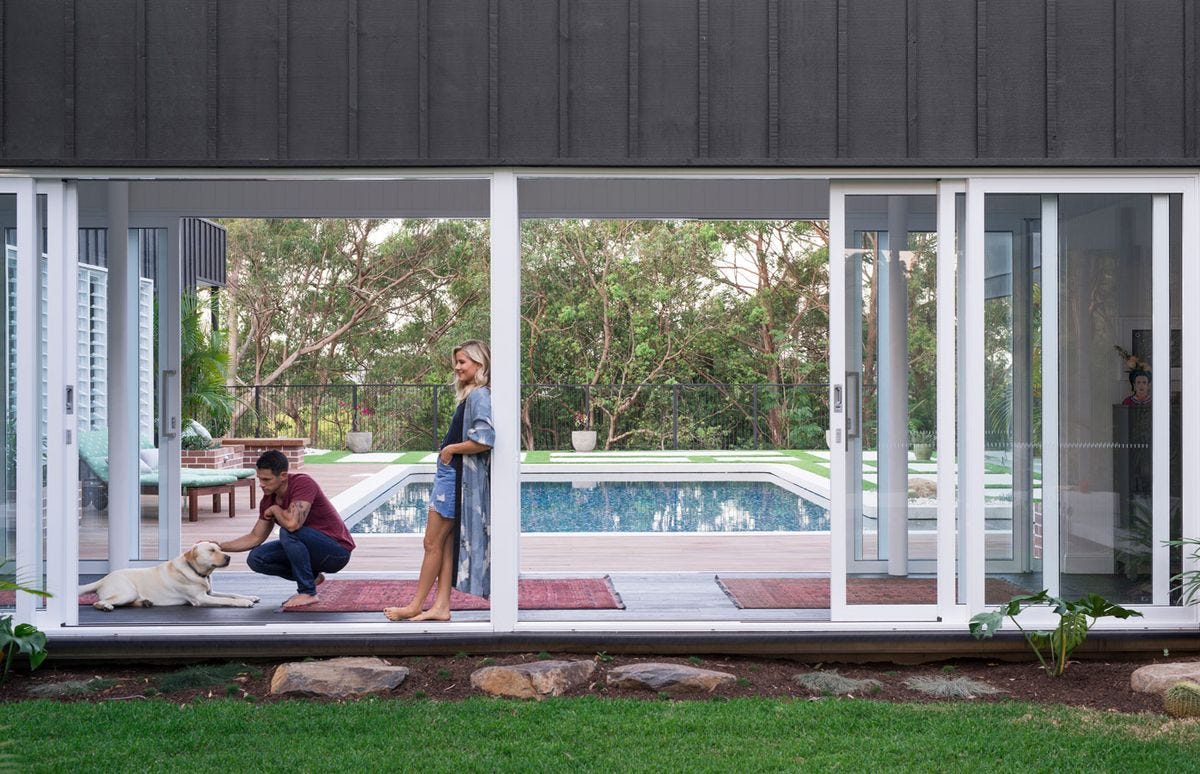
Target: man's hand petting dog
x,y
183,580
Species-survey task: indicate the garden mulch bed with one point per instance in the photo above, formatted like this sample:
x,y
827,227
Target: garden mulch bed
x,y
1095,684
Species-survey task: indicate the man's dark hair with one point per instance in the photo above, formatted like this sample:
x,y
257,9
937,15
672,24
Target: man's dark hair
x,y
274,461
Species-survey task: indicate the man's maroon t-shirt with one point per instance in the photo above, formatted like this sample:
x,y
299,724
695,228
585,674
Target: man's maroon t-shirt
x,y
322,517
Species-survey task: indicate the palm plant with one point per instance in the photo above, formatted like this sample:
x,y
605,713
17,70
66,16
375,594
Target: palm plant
x,y
204,367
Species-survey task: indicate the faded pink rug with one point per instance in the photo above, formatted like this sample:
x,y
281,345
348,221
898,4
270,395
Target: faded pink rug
x,y
362,596
813,593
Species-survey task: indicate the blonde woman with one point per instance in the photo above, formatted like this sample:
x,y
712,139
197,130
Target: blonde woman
x,y
458,529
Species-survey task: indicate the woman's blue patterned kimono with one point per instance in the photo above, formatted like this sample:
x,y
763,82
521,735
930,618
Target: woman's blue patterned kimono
x,y
474,548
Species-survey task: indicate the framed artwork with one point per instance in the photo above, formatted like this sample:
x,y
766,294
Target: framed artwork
x,y
1139,335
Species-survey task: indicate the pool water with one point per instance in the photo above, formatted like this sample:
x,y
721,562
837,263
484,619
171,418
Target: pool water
x,y
624,506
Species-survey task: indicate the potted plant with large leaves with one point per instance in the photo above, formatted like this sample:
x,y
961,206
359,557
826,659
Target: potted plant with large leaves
x,y
22,637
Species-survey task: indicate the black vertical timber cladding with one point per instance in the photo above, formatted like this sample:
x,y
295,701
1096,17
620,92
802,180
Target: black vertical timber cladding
x,y
946,115
1154,105
248,80
1085,78
1016,79
598,80
105,79
388,79
1189,79
808,85
69,71
668,82
877,80
1052,148
140,78
458,78
655,81
34,88
528,85
317,98
564,79
211,80
738,85
352,78
282,62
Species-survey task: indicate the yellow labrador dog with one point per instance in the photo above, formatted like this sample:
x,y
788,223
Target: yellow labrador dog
x,y
183,580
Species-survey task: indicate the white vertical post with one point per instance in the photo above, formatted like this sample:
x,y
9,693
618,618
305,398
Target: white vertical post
x,y
168,287
28,505
1050,429
947,260
124,510
1190,321
892,389
1160,359
62,499
506,397
972,459
839,515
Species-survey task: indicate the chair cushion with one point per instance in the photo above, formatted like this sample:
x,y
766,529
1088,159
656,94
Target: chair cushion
x,y
150,457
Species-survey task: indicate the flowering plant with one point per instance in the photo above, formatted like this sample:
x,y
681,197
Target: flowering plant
x,y
583,420
1132,362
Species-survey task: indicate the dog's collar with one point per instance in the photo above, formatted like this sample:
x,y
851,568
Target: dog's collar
x,y
201,574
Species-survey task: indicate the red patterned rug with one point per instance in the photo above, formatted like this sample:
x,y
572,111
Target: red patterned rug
x,y
813,593
363,596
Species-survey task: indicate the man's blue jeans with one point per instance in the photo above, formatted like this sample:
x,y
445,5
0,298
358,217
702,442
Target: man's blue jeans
x,y
299,556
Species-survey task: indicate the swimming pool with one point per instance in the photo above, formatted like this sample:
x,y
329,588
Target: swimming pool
x,y
551,504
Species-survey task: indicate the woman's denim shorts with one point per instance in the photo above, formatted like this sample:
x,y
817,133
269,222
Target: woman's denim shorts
x,y
443,498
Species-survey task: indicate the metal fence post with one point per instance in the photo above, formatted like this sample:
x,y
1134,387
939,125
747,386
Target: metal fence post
x,y
436,387
675,416
354,408
754,416
258,411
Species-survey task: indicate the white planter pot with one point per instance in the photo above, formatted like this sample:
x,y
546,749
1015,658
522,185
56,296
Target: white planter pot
x,y
359,443
583,440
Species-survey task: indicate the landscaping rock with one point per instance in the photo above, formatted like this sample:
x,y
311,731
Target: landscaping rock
x,y
532,681
337,678
669,678
1157,678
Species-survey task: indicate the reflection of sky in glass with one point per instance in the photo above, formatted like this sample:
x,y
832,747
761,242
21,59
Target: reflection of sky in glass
x,y
627,506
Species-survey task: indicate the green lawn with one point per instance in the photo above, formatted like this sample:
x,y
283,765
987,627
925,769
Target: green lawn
x,y
588,734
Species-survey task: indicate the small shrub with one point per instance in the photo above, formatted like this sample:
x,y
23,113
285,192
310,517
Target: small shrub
x,y
950,687
602,656
743,682
203,676
461,654
444,673
71,688
543,656
488,661
1072,629
694,660
834,684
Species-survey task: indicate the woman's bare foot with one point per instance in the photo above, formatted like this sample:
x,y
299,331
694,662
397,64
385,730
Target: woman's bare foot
x,y
401,613
432,614
301,600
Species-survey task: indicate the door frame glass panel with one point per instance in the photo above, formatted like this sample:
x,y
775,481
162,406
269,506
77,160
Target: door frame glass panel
x,y
846,413
972,494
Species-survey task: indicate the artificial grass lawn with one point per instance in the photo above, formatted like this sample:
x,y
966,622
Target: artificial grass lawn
x,y
588,734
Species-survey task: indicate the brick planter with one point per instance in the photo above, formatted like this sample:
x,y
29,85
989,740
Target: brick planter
x,y
213,459
252,449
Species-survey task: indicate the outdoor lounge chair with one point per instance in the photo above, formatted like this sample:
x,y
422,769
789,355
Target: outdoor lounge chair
x,y
93,451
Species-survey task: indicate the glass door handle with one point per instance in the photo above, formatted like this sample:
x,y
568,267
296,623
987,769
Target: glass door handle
x,y
853,404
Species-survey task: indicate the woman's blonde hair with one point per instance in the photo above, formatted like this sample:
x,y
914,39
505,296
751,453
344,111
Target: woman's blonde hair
x,y
479,353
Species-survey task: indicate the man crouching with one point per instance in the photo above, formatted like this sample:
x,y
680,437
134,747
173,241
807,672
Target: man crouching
x,y
313,540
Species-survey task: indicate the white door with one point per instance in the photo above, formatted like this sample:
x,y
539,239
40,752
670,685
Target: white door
x,y
892,299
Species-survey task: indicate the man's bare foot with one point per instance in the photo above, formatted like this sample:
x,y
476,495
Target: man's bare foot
x,y
432,615
301,600
401,613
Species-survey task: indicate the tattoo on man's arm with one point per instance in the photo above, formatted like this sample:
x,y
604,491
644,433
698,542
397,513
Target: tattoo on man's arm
x,y
300,510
